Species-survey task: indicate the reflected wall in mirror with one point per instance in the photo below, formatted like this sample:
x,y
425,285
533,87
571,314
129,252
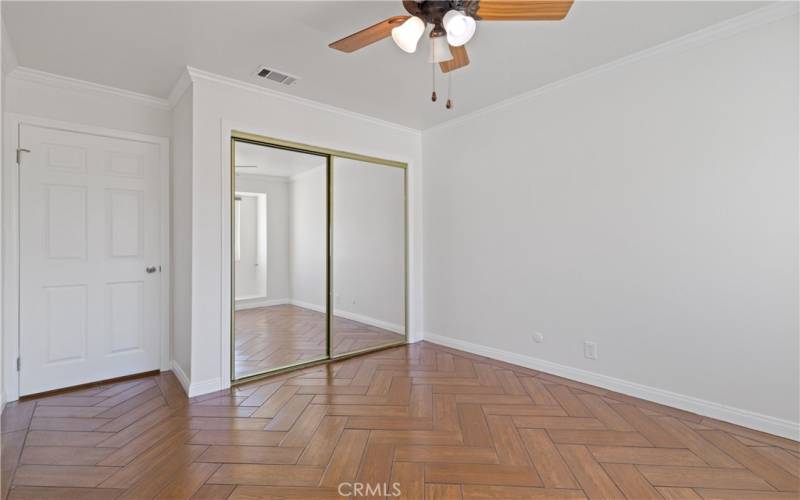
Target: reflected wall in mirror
x,y
279,248
368,256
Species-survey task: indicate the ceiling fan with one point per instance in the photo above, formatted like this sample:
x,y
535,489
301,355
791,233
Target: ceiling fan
x,y
453,25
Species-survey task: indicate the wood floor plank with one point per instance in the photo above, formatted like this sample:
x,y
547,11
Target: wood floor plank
x,y
321,444
678,493
442,491
238,438
472,422
216,492
590,475
61,493
283,493
250,454
547,460
722,494
187,482
598,437
475,492
507,441
376,466
64,455
571,404
62,475
630,481
346,458
702,477
267,475
604,413
446,454
510,475
409,479
645,456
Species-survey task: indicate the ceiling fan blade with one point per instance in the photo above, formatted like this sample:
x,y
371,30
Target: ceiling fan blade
x,y
459,60
521,10
373,34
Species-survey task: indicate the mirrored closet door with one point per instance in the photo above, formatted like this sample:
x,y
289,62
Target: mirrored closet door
x,y
279,250
318,247
369,260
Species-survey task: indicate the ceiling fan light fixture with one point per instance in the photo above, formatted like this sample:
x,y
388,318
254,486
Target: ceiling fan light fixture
x,y
459,27
407,35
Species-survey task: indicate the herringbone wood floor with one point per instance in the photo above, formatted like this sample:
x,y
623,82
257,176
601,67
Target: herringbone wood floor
x,y
441,423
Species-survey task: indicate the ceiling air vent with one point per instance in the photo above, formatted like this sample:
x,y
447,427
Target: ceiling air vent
x,y
272,75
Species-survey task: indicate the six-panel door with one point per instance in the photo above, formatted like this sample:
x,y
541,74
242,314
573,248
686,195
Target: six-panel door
x,y
89,219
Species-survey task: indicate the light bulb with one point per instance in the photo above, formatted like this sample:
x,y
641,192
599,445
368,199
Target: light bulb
x,y
408,34
440,51
459,27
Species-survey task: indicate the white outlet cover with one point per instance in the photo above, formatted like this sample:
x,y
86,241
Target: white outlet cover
x,y
590,350
537,337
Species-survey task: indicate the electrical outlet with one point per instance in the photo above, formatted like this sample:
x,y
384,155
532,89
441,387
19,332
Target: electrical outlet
x,y
590,350
537,337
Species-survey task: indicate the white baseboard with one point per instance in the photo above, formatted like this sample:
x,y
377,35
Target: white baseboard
x,y
738,416
181,376
307,305
204,387
370,321
252,303
193,389
352,316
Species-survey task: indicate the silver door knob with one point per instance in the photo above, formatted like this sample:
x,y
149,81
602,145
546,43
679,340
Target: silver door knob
x,y
150,270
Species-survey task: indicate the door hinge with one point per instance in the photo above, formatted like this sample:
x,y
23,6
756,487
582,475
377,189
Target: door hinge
x,y
19,363
19,153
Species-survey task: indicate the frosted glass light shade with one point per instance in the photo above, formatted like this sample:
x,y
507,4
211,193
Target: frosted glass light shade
x,y
440,50
408,34
459,27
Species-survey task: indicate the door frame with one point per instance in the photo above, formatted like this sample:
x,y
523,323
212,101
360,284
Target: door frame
x,y
11,238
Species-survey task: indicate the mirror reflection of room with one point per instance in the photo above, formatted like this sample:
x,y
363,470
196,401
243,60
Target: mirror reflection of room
x,y
279,254
369,265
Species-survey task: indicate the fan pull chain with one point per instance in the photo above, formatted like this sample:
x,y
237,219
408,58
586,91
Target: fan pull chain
x,y
433,73
449,104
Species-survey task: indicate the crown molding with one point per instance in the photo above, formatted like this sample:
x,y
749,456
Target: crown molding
x,y
198,74
723,29
64,82
180,87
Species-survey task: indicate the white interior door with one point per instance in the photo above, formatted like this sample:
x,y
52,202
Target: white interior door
x,y
89,228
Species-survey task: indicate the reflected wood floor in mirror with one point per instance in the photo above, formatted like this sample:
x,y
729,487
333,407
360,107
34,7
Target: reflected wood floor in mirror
x,y
440,422
275,336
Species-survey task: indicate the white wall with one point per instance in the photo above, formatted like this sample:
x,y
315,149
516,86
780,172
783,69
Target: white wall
x,y
182,182
368,243
651,208
7,61
307,238
276,190
46,96
219,105
250,269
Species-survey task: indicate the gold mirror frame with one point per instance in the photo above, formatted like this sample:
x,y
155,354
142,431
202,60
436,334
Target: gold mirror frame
x,y
329,154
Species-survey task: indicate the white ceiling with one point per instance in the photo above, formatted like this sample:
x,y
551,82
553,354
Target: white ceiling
x,y
273,161
143,47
